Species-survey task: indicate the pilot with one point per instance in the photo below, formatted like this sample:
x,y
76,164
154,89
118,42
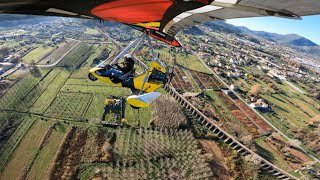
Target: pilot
x,y
128,66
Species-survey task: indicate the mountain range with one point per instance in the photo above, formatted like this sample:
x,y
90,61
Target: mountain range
x,y
292,40
10,20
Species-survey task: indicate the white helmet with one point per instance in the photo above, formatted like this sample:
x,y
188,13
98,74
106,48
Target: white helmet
x,y
127,56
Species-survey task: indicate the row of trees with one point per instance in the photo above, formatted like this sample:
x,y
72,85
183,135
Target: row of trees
x,y
155,154
4,51
167,113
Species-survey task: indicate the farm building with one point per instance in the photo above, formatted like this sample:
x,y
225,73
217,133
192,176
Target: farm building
x,y
260,104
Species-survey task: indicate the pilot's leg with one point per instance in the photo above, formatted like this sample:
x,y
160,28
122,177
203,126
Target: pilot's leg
x,y
117,73
109,72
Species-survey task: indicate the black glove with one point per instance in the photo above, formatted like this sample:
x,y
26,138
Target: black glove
x,y
108,66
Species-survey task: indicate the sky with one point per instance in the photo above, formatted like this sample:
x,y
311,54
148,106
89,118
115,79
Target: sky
x,y
308,27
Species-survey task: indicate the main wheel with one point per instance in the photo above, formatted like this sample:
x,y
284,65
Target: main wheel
x,y
91,77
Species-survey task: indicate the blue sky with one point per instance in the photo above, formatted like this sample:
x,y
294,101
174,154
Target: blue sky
x,y
308,27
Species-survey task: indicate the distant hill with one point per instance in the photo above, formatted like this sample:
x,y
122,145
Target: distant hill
x,y
292,40
11,20
221,26
289,39
194,31
302,42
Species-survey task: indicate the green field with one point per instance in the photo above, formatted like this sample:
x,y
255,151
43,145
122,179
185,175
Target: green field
x,y
44,101
192,62
20,90
33,95
26,151
268,152
43,161
69,105
92,31
10,145
37,54
187,60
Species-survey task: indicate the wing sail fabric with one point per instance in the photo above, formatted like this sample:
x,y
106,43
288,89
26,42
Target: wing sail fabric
x,y
168,16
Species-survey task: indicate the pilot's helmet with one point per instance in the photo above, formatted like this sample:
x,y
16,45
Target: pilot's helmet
x,y
128,58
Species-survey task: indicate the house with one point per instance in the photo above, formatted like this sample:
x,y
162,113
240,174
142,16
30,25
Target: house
x,y
259,104
234,87
2,71
229,93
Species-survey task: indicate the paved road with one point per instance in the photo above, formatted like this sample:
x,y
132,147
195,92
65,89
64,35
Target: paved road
x,y
10,71
292,141
6,63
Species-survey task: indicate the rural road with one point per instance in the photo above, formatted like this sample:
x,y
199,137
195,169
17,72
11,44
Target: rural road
x,y
17,66
12,70
294,87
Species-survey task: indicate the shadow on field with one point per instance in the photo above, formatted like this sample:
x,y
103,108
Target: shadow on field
x,y
264,153
36,72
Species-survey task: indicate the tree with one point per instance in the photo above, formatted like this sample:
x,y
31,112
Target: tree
x,y
16,60
255,89
271,85
316,95
4,51
250,77
35,72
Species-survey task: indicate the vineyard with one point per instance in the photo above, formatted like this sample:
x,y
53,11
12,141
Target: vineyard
x,y
251,127
76,57
25,152
58,53
69,105
9,146
180,81
131,154
206,81
20,90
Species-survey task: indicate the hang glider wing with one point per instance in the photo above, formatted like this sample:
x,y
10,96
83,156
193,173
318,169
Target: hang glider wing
x,y
230,9
167,16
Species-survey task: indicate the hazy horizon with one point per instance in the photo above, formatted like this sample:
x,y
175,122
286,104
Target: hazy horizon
x,y
307,27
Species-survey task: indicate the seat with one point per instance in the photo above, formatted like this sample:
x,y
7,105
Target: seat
x,y
121,78
126,75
